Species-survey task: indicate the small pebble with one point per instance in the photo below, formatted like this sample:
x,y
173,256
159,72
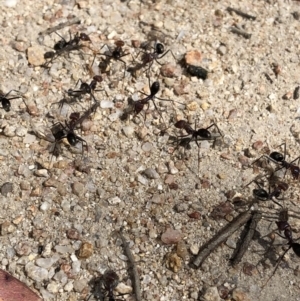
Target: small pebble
x,y
78,188
211,294
6,188
170,70
128,131
150,173
86,250
106,104
114,200
192,106
171,236
181,207
36,273
79,285
73,234
172,169
193,57
194,249
35,55
239,295
123,289
173,262
147,147
41,173
181,249
142,179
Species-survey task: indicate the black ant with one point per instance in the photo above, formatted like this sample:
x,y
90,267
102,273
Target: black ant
x,y
61,131
283,225
154,89
105,285
6,105
117,53
262,195
196,135
66,46
279,159
157,54
86,88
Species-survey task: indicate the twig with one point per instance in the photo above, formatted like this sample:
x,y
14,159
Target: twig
x,y
240,13
134,271
240,32
60,26
220,237
246,238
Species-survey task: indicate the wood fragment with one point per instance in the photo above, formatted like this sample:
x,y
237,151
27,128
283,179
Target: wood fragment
x,y
60,26
240,13
246,238
220,237
240,32
134,272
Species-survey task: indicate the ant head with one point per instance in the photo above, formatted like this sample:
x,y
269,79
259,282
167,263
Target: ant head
x,y
98,78
74,116
277,156
260,194
5,104
119,43
203,133
154,88
295,171
84,37
160,48
180,124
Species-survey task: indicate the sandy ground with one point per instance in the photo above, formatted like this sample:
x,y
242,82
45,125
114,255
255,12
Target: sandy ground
x,y
131,176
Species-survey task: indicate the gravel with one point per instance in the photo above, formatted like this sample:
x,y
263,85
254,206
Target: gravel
x,y
238,73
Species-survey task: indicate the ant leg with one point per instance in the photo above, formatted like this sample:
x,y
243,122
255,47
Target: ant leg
x,y
215,125
61,36
276,267
84,143
5,96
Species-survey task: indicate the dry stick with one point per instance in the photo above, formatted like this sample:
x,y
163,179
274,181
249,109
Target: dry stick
x,y
221,236
240,32
240,13
60,26
246,238
135,274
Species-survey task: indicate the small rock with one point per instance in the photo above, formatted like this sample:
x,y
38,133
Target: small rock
x,y
53,287
36,273
41,173
181,249
123,289
25,185
9,131
73,234
192,106
239,295
6,188
142,179
193,57
170,70
194,249
173,262
35,55
171,236
7,227
78,188
47,262
114,200
44,206
86,250
128,131
172,169
150,173
106,104
257,145
79,285
199,72
181,207
169,179
28,139
211,294
147,147
195,215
